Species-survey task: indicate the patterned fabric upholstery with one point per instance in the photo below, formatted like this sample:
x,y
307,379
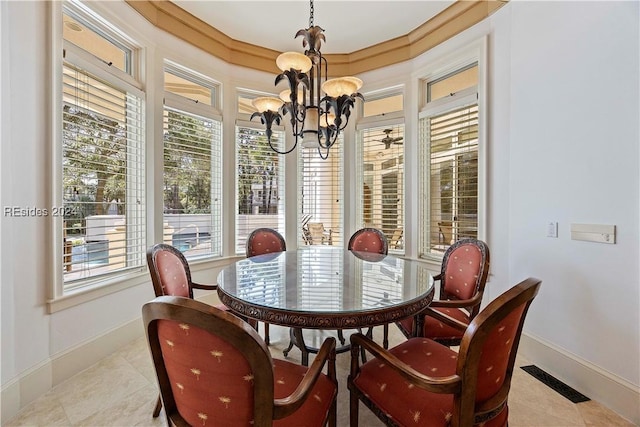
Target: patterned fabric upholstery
x,y
170,273
369,240
212,382
474,382
463,275
434,328
421,408
462,271
263,241
383,386
173,276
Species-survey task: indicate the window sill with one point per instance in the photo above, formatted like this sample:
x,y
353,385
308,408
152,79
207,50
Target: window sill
x,y
127,280
97,290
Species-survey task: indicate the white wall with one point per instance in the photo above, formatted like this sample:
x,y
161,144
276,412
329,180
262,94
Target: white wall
x,y
574,143
575,160
563,137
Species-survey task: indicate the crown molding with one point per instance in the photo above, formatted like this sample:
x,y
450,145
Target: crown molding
x,y
456,18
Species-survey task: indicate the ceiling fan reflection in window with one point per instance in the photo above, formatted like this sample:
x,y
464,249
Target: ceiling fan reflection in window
x,y
388,140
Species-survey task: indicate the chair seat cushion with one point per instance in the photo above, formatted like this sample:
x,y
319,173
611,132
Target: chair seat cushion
x,y
314,411
404,403
435,329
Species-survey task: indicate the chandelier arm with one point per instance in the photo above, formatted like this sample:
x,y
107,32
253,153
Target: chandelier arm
x,y
267,118
330,137
320,148
283,152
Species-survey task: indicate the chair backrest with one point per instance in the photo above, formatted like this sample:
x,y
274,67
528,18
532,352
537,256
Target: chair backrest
x,y
210,364
369,240
465,267
169,271
316,232
264,241
487,356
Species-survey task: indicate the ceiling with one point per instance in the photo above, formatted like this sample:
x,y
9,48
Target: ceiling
x,y
349,25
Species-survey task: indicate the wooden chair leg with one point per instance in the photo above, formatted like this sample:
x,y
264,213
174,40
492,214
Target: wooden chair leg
x,y
385,337
302,346
266,333
156,410
353,409
333,414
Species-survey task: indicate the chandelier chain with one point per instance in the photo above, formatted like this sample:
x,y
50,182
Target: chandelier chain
x,y
316,119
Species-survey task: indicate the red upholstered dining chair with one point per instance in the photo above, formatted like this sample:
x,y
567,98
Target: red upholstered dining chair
x,y
463,276
264,241
424,383
214,369
371,240
170,275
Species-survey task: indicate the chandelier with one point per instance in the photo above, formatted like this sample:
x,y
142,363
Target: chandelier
x,y
318,108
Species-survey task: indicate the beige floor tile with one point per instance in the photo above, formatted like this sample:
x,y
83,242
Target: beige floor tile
x,y
138,355
596,415
44,411
121,390
99,387
135,410
529,393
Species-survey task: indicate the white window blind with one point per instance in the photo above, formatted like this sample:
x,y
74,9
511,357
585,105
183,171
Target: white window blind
x,y
259,183
103,176
450,168
192,183
382,174
320,197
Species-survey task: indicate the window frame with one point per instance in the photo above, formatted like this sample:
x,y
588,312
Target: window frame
x,y
187,106
364,123
85,289
334,231
474,53
237,250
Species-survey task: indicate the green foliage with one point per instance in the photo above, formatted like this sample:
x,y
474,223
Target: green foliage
x,y
94,159
187,163
257,166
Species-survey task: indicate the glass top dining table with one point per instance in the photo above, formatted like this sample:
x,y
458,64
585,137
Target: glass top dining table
x,y
325,287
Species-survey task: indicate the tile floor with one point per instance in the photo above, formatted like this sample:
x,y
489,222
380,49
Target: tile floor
x,y
121,391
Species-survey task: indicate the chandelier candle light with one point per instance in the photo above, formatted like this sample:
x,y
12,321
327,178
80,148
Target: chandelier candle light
x,y
315,118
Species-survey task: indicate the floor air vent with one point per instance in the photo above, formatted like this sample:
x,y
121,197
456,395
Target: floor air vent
x,y
556,384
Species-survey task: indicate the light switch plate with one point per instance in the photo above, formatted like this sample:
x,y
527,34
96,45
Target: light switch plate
x,y
552,229
599,233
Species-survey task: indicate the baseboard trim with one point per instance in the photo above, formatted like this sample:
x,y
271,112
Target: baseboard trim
x,y
604,387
